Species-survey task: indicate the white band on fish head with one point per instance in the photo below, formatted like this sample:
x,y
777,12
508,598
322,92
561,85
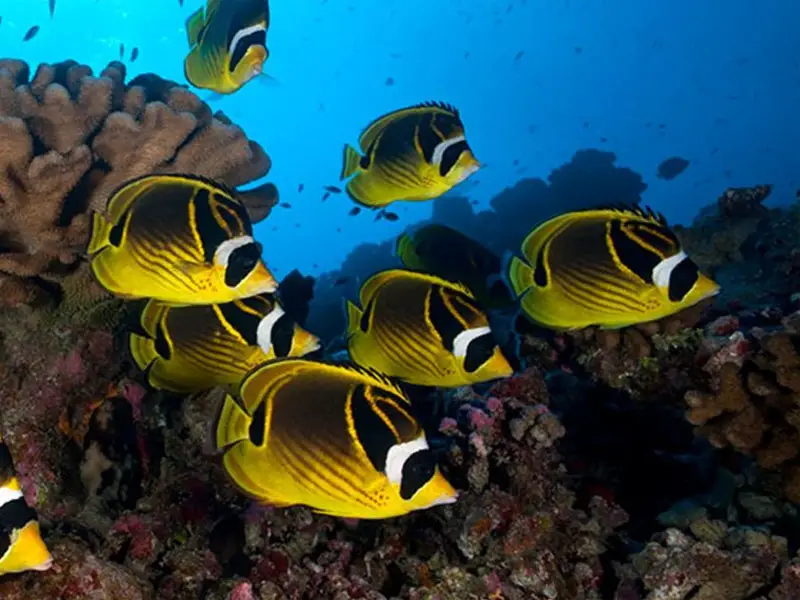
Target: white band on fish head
x,y
243,33
398,455
264,331
464,339
662,272
226,248
8,495
441,147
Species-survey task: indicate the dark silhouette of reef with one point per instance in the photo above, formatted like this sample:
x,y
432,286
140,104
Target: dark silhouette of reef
x,y
590,178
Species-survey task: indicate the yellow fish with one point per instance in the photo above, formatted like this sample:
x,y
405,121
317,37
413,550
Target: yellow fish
x,y
228,44
21,544
416,153
610,267
448,253
193,348
337,438
179,239
423,330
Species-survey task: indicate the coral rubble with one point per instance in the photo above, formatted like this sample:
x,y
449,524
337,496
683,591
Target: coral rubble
x,y
68,138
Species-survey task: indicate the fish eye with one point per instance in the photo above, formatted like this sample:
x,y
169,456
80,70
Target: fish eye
x,y
479,351
241,263
418,470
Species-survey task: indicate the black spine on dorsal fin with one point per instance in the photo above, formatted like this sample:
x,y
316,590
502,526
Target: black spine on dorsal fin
x,y
441,105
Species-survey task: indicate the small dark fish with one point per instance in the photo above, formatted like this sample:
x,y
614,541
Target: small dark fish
x,y
389,82
180,3
1,20
390,216
466,55
672,167
341,281
519,55
354,211
325,196
121,51
300,188
285,205
332,189
578,50
31,33
52,6
604,139
515,162
134,54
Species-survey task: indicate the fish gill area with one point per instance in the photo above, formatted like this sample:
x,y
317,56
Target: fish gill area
x,y
658,462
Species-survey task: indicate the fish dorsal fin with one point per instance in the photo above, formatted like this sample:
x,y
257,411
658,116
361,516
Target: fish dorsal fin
x,y
254,381
195,25
633,211
124,196
374,129
371,285
536,239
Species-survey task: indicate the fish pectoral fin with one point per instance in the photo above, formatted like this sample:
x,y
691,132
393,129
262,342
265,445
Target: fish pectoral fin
x,y
233,424
194,26
352,162
520,276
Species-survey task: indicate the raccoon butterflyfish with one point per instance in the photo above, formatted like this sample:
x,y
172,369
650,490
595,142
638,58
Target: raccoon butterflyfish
x,y
416,153
193,348
337,438
450,254
228,44
423,330
21,544
610,267
179,239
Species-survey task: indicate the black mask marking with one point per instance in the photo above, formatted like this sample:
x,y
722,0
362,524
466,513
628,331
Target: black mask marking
x,y
682,280
375,437
161,343
282,335
241,263
258,425
450,156
631,254
479,351
418,470
245,323
428,138
444,322
257,38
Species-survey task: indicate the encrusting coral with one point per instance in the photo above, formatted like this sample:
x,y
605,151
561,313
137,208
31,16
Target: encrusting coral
x,y
69,138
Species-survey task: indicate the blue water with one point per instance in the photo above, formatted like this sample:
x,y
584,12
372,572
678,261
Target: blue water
x,y
714,81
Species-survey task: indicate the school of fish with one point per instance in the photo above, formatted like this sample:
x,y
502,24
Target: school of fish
x,y
296,428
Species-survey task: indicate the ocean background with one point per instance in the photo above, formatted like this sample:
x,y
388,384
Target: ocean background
x,y
716,82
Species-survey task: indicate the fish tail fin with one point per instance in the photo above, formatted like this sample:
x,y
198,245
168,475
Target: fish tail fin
x,y
352,162
143,350
353,315
520,275
194,26
403,247
100,232
233,423
28,551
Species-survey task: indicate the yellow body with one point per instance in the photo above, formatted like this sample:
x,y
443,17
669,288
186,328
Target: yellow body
x,y
399,160
227,42
297,438
194,348
411,324
160,239
593,267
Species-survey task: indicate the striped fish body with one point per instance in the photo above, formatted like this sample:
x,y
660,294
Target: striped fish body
x,y
416,154
228,44
333,437
606,267
193,348
178,239
423,330
21,544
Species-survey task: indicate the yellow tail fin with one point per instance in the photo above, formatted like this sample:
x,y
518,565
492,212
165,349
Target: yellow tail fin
x,y
233,424
353,317
99,236
143,350
352,161
520,275
194,26
404,248
151,316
